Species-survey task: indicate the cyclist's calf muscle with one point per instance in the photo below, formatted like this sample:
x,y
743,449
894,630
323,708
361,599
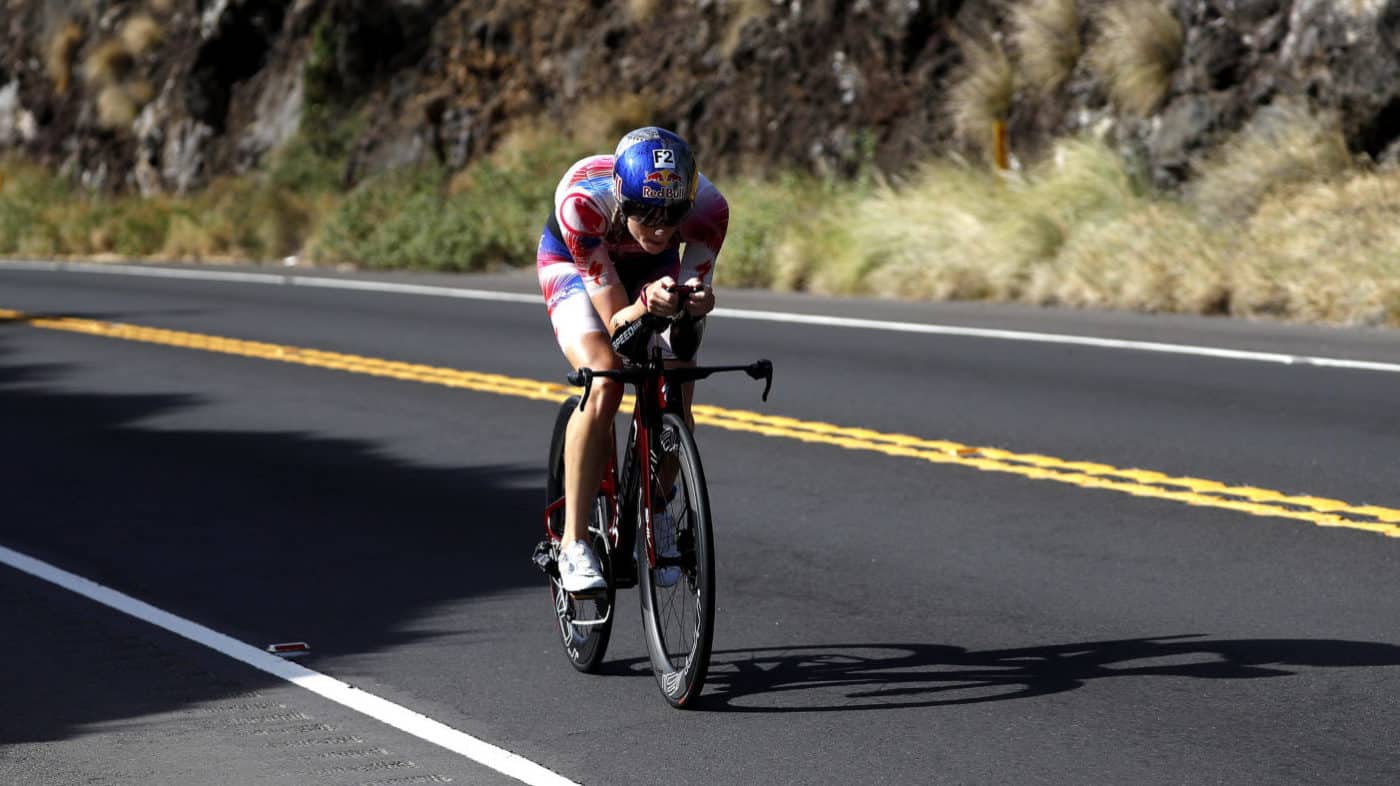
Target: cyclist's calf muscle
x,y
589,433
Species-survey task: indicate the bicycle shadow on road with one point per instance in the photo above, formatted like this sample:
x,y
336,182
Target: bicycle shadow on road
x,y
841,677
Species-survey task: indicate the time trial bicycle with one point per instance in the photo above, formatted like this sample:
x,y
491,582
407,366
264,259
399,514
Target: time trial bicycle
x,y
661,481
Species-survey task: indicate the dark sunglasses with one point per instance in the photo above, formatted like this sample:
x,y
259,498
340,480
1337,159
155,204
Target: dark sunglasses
x,y
656,215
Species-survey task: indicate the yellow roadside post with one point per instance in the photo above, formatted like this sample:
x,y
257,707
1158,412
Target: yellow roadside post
x,y
1000,153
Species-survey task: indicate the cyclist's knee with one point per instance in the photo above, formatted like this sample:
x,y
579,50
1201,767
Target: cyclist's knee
x,y
605,398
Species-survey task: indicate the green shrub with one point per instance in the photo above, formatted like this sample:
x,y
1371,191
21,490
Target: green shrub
x,y
353,230
782,230
138,227
27,192
488,216
301,167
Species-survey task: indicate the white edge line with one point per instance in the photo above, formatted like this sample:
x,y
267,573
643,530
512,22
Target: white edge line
x,y
765,316
1009,335
413,289
1059,338
395,715
151,272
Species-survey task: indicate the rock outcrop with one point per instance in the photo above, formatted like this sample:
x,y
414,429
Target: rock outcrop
x,y
163,95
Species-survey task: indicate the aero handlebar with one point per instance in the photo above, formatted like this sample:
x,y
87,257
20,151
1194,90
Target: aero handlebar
x,y
761,369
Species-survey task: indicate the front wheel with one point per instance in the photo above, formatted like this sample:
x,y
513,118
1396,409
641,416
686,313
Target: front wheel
x,y
678,607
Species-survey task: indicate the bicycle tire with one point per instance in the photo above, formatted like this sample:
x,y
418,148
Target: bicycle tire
x,y
584,645
678,620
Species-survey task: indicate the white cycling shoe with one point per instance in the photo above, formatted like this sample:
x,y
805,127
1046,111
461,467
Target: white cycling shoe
x,y
579,571
663,528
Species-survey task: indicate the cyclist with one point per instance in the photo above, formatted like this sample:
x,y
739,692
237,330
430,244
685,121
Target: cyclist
x,y
610,253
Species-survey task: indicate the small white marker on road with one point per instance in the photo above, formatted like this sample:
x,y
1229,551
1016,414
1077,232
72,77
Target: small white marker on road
x,y
291,649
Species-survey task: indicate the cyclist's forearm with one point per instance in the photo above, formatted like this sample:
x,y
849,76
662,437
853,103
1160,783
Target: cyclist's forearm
x,y
630,313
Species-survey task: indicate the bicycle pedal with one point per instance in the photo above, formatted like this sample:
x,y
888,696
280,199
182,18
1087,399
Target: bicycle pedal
x,y
544,559
593,594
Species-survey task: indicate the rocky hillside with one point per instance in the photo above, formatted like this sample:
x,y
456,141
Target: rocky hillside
x,y
163,95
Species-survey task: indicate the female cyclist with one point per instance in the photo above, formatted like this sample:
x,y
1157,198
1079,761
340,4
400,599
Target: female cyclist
x,y
626,228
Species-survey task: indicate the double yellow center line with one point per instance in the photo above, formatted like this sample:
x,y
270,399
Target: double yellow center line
x,y
1321,511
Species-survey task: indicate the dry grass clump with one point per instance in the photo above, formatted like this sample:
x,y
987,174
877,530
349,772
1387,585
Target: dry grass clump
x,y
110,67
1046,36
193,237
780,229
109,63
600,123
641,10
1155,257
959,232
59,221
484,217
1285,145
981,94
24,190
1138,47
63,49
1326,252
140,91
246,217
235,218
118,105
812,249
537,150
115,107
140,33
942,238
1083,229
534,154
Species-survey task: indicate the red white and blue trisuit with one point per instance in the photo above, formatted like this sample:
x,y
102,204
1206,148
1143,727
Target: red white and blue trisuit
x,y
586,247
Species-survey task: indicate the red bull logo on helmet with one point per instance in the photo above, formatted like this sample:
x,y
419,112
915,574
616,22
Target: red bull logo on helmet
x,y
663,184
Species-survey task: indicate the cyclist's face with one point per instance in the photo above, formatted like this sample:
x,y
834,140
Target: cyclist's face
x,y
653,240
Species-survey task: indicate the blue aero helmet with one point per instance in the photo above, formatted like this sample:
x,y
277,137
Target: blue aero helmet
x,y
654,174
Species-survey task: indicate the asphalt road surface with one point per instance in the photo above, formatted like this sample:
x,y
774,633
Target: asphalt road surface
x,y
1082,564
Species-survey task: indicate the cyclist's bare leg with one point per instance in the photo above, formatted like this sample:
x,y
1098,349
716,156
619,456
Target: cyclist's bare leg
x,y
589,434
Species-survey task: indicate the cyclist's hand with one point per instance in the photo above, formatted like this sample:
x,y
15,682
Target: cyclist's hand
x,y
661,301
702,298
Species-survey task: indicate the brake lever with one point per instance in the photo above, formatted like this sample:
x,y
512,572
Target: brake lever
x,y
763,369
583,377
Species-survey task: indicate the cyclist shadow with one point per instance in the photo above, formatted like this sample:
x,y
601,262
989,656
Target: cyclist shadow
x,y
821,678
